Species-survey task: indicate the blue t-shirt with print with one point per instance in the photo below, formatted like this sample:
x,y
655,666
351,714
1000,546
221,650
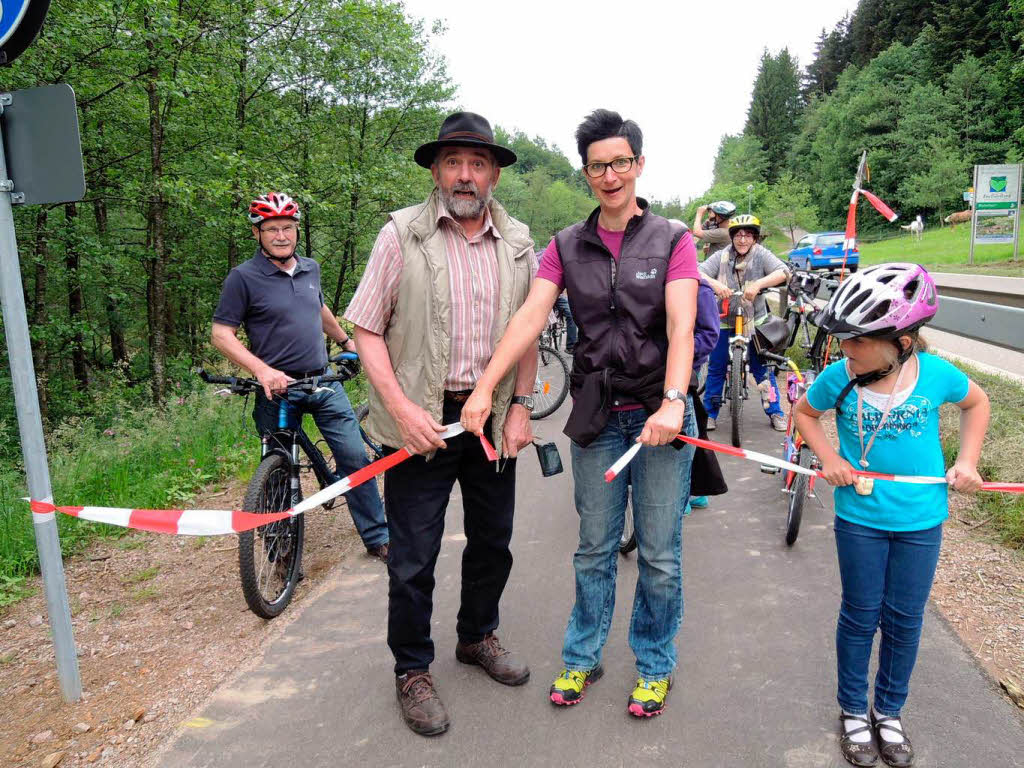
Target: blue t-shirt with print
x,y
907,445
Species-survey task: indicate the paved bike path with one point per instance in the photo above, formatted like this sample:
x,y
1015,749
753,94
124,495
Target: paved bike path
x,y
755,684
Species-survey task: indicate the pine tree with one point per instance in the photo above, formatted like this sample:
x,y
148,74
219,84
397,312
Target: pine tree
x,y
774,108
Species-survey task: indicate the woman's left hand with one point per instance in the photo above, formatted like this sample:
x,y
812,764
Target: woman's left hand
x,y
475,411
663,425
963,477
750,290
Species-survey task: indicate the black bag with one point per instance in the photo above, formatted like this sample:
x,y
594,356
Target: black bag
x,y
772,335
548,458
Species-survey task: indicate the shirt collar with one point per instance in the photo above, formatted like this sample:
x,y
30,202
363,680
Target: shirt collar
x,y
444,216
267,267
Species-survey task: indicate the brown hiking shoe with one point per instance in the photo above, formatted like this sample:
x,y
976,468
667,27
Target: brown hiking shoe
x,y
422,709
381,551
496,661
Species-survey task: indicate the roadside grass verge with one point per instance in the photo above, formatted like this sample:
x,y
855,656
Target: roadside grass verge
x,y
146,458
940,250
143,458
1001,458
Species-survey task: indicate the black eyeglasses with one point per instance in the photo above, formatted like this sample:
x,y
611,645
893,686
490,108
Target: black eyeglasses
x,y
619,165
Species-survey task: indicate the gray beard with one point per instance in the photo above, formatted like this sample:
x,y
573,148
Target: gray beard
x,y
465,209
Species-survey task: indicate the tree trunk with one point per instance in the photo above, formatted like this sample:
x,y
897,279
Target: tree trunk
x,y
118,349
76,302
40,359
157,227
236,193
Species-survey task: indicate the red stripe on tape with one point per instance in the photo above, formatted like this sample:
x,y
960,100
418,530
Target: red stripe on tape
x,y
41,507
246,521
489,451
155,520
360,476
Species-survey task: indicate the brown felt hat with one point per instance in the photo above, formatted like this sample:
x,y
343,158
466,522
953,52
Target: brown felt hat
x,y
464,129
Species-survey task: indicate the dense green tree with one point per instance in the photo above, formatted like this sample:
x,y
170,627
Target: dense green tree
x,y
789,206
774,108
939,186
740,161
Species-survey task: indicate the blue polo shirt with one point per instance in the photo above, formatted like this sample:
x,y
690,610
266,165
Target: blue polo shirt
x,y
280,312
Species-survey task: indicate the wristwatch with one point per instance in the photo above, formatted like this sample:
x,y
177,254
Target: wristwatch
x,y
675,394
524,400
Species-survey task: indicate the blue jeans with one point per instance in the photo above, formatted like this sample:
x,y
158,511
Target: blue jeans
x,y
717,364
336,421
562,308
887,576
656,476
690,430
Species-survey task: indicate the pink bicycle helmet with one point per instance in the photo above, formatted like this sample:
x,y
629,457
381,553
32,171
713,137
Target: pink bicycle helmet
x,y
884,301
274,205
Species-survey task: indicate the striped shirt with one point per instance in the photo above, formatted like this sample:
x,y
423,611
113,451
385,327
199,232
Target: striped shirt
x,y
473,285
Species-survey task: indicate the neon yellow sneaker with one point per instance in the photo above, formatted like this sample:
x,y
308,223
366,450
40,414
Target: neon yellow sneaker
x,y
569,686
648,698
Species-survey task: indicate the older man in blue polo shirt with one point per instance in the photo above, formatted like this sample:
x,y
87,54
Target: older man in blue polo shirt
x,y
276,295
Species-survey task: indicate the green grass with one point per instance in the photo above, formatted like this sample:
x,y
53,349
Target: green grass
x,y
939,250
147,458
144,575
1001,457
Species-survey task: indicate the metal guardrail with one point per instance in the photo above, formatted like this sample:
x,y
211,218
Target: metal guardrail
x,y
984,308
990,323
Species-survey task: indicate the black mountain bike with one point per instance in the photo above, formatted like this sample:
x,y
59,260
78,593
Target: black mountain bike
x,y
270,557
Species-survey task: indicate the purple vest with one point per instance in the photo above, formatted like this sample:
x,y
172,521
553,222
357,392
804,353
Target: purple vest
x,y
619,307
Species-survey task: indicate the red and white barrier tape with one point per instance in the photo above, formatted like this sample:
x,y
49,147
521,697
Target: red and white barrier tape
x,y
774,461
216,522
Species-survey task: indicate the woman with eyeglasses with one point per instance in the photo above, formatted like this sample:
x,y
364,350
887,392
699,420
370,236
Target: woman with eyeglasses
x,y
745,265
631,279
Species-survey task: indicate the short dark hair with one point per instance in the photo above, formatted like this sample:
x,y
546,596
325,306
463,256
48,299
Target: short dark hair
x,y
605,124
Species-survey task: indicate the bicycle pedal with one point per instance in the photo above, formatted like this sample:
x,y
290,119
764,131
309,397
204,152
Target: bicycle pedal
x,y
768,469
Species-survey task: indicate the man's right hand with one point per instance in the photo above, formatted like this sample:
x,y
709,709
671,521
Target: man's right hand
x,y
273,380
420,433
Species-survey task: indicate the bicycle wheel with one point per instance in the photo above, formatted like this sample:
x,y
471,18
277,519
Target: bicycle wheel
x,y
797,495
552,383
269,557
627,542
737,376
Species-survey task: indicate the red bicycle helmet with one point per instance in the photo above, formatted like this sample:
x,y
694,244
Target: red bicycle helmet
x,y
274,205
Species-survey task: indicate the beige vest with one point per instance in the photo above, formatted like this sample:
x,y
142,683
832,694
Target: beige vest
x,y
418,335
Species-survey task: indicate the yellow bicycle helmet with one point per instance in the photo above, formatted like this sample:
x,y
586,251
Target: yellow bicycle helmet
x,y
744,221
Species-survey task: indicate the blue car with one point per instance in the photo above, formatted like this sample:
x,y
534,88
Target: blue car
x,y
823,250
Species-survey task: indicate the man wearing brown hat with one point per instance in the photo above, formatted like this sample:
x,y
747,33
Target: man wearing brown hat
x,y
441,284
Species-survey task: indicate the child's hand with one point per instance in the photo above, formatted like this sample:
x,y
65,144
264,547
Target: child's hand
x,y
963,477
837,471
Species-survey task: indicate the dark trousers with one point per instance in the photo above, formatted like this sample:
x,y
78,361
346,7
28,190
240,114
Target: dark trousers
x,y
416,494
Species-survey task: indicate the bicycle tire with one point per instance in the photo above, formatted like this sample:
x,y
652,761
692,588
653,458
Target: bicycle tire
x,y
261,551
797,496
552,385
737,376
627,542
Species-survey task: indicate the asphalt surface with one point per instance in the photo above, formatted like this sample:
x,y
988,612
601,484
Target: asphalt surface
x,y
755,684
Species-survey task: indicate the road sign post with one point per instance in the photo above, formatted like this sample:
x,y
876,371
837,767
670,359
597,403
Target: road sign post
x,y
26,397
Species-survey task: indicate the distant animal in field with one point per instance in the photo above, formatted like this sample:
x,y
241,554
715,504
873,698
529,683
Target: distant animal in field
x,y
958,218
916,227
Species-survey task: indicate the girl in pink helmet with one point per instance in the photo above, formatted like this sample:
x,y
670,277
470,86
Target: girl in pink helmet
x,y
886,395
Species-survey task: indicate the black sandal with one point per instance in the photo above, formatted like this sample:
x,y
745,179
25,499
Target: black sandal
x,y
898,755
859,754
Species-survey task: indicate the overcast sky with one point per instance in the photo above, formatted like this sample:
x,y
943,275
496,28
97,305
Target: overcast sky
x,y
541,66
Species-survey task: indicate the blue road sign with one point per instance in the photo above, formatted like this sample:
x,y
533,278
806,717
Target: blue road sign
x,y
11,14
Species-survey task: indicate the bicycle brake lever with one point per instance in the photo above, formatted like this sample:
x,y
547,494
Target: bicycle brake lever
x,y
223,392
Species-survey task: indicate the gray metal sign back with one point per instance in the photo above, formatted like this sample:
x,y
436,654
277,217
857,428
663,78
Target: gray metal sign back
x,y
43,148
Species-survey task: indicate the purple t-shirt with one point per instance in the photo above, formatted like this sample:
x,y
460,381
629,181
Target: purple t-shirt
x,y
682,263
